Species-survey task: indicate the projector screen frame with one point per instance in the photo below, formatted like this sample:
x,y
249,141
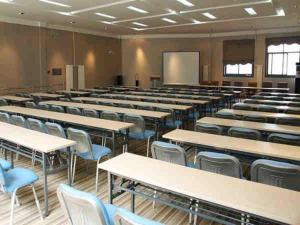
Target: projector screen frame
x,y
162,65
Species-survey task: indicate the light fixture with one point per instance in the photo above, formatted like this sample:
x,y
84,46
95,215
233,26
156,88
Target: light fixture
x,y
138,29
105,15
65,13
169,20
209,15
140,24
250,11
6,1
196,21
106,22
55,3
137,9
186,3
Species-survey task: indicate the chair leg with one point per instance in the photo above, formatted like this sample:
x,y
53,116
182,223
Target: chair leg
x,y
148,146
37,202
12,207
154,202
97,177
74,168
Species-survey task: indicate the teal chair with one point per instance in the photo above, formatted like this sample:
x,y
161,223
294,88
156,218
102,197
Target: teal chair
x,y
247,133
287,139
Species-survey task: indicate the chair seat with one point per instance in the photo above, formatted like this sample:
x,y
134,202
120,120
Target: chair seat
x,y
98,152
174,124
5,164
19,177
142,136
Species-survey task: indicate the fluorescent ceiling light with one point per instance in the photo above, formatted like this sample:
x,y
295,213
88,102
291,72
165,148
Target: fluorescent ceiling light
x,y
186,3
137,9
169,20
105,15
209,15
138,29
280,12
6,1
250,11
55,3
196,21
65,13
106,22
140,24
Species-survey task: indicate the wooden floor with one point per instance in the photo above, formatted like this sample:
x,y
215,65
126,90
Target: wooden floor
x,y
85,180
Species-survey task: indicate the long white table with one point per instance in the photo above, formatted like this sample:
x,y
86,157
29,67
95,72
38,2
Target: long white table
x,y
265,127
36,141
261,203
280,108
247,147
15,99
47,95
82,121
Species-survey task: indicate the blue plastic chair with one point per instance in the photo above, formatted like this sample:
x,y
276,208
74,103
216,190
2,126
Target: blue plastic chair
x,y
92,210
139,132
5,164
288,139
86,150
4,117
276,173
13,180
208,128
241,132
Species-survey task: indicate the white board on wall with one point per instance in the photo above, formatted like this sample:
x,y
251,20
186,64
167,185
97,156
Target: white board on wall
x,y
181,68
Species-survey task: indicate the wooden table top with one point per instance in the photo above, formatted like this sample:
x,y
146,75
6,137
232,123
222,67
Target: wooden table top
x,y
259,199
69,118
144,113
279,94
15,98
153,104
33,139
269,127
272,101
74,92
279,107
178,95
257,113
287,98
181,100
240,145
46,95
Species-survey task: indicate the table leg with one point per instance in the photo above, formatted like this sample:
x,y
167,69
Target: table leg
x,y
11,158
110,187
69,166
113,144
46,212
132,206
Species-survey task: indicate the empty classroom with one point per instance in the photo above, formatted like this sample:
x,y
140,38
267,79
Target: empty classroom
x,y
149,112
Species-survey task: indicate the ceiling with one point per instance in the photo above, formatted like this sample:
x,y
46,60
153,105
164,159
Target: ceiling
x,y
186,15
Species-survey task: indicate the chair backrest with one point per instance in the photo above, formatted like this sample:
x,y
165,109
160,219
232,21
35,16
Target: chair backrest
x,y
110,116
123,105
43,106
252,84
219,163
288,139
226,83
3,102
81,207
83,140
267,84
30,105
2,179
106,103
238,83
250,101
275,173
288,121
294,104
225,115
292,111
267,108
18,121
208,128
255,118
57,108
74,111
90,113
64,99
241,132
77,100
93,102
168,152
4,117
214,83
36,125
145,107
138,121
55,130
282,84
242,106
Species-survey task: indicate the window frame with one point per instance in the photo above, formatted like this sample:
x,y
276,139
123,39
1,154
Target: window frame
x,y
277,53
237,75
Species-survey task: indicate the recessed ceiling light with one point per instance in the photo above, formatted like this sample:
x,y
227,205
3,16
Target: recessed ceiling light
x,y
169,20
21,13
209,15
186,3
137,9
250,11
6,1
105,15
72,22
140,24
55,3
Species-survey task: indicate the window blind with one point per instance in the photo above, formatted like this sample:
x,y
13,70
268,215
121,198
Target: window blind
x,y
238,51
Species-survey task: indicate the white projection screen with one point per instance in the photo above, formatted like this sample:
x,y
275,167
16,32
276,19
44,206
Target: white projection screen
x,y
181,68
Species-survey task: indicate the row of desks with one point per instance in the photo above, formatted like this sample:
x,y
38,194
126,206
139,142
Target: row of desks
x,y
280,108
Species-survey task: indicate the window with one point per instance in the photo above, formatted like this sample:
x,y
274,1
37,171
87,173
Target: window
x,y
282,59
244,70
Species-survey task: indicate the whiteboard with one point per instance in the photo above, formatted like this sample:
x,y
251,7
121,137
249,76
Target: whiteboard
x,y
181,68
